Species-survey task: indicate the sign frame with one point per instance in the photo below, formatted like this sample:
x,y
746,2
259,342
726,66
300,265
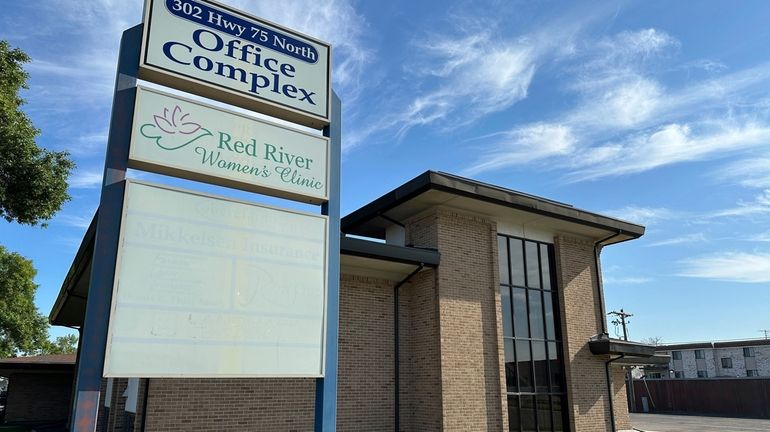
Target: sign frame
x,y
201,87
116,283
177,170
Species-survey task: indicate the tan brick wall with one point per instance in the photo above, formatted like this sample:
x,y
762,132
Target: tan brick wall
x,y
366,357
619,399
419,356
38,396
469,323
267,404
581,315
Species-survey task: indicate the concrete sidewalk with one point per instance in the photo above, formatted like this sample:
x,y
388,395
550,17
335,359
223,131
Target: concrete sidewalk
x,y
682,423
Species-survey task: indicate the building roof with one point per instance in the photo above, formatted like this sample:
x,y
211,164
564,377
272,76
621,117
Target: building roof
x,y
433,188
737,343
39,363
41,359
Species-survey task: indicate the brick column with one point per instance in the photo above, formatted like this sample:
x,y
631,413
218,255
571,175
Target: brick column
x,y
470,328
580,308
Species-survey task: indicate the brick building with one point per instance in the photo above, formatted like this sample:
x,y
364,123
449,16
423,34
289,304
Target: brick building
x,y
718,359
463,307
39,390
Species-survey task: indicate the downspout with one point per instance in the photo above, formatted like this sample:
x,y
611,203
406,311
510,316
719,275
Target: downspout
x,y
144,403
396,383
600,291
609,390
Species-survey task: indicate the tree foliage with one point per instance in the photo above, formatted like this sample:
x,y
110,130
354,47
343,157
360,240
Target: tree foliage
x,y
653,340
23,330
33,181
61,345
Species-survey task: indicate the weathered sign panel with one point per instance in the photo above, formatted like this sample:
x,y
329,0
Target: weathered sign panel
x,y
211,287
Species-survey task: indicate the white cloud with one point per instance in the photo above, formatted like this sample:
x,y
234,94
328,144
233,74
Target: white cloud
x,y
626,280
466,74
761,237
760,205
77,221
631,46
479,75
667,145
621,104
689,238
524,145
86,179
753,173
730,266
625,121
642,215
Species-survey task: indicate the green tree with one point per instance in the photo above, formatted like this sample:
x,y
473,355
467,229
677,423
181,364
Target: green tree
x,y
23,330
33,181
61,345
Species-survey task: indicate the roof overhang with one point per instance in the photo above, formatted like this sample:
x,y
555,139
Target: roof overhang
x,y
618,347
658,360
432,189
39,364
358,256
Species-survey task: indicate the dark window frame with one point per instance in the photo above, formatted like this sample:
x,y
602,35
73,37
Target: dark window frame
x,y
727,364
676,355
749,352
546,285
700,354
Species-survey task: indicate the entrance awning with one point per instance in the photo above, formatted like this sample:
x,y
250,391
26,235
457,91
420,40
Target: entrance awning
x,y
632,353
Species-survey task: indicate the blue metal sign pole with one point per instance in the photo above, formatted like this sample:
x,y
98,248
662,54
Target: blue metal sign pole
x,y
326,387
94,331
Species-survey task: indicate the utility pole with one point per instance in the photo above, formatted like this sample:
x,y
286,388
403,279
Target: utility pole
x,y
766,332
621,320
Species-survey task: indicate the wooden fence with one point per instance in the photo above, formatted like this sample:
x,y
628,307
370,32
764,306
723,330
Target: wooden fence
x,y
728,397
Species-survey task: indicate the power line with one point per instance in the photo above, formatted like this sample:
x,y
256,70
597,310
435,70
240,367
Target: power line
x,y
766,332
621,320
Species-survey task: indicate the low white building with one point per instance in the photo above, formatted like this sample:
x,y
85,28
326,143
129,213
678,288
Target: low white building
x,y
718,359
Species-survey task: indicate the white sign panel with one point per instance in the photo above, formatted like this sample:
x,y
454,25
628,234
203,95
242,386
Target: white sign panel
x,y
210,49
187,139
209,287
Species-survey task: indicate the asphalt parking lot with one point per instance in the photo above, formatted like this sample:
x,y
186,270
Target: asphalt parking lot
x,y
679,423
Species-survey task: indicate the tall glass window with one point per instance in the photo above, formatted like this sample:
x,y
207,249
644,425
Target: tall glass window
x,y
534,370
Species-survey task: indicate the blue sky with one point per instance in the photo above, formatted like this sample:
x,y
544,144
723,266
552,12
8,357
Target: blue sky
x,y
655,112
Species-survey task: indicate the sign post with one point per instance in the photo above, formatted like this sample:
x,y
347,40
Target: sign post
x,y
94,331
326,387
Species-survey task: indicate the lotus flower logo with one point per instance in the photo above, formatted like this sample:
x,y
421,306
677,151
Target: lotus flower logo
x,y
173,130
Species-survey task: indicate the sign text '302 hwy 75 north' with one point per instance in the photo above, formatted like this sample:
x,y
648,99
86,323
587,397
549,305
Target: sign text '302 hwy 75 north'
x,y
214,51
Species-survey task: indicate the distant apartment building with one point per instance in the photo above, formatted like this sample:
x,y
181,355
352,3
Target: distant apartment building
x,y
718,359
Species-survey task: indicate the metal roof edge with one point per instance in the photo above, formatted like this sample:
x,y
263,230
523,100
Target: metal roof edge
x,y
79,263
462,186
388,252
